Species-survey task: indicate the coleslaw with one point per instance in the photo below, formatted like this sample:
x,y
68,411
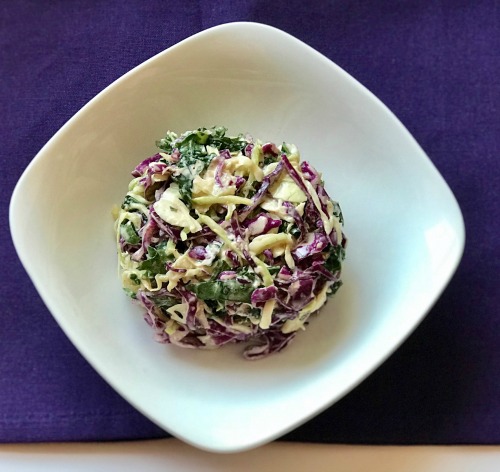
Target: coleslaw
x,y
225,239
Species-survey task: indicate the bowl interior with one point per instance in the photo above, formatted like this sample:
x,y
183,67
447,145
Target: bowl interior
x,y
404,227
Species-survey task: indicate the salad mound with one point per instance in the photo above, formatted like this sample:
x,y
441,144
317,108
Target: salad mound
x,y
227,240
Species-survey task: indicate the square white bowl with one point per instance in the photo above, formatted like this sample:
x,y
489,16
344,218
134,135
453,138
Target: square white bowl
x,y
405,230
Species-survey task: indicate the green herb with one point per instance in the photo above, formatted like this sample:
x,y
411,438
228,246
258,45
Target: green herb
x,y
273,270
219,266
283,228
285,149
269,159
251,193
167,143
194,154
192,164
135,279
227,290
156,261
334,287
129,233
335,257
338,212
217,308
194,142
185,183
246,273
193,161
256,312
165,301
128,201
219,139
289,228
295,231
129,292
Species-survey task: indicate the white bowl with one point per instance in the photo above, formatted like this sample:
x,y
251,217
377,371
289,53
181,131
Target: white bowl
x,y
405,231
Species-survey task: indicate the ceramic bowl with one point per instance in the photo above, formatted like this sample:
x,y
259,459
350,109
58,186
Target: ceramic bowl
x,y
404,226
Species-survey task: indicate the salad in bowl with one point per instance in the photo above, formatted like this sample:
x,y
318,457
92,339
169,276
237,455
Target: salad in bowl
x,y
225,239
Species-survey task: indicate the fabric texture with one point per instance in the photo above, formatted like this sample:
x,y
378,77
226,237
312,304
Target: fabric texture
x,y
435,64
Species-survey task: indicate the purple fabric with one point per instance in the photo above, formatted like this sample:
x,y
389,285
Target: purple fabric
x,y
436,64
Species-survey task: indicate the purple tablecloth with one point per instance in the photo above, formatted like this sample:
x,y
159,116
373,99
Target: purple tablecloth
x,y
435,63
